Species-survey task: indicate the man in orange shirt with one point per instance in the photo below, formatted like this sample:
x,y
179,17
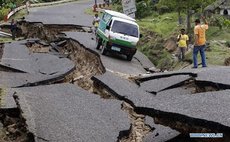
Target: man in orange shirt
x,y
200,41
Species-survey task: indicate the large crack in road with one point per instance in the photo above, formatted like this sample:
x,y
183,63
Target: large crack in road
x,y
50,39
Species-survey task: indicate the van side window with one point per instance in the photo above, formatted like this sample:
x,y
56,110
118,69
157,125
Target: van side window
x,y
106,17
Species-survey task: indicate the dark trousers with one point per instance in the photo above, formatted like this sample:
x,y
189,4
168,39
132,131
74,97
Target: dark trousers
x,y
182,51
13,34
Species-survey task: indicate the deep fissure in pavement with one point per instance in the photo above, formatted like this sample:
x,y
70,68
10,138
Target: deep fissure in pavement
x,y
200,86
47,32
197,86
138,129
87,62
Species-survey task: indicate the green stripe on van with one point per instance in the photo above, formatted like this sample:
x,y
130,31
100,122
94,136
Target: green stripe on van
x,y
123,43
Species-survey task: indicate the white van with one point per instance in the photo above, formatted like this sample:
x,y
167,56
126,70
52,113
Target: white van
x,y
117,32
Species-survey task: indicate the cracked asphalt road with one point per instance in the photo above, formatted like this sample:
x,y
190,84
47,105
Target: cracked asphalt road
x,y
68,13
73,13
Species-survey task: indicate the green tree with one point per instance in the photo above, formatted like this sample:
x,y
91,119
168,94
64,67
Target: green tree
x,y
188,6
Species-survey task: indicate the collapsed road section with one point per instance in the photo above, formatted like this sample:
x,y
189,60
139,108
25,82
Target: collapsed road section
x,y
38,75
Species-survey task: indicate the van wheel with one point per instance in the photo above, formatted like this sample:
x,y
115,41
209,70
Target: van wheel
x,y
103,50
129,57
98,43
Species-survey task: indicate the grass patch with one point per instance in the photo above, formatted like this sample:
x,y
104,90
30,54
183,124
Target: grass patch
x,y
214,33
218,54
162,24
19,14
5,39
9,39
215,57
89,11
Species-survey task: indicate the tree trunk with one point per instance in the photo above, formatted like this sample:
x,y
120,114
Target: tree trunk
x,y
179,17
188,21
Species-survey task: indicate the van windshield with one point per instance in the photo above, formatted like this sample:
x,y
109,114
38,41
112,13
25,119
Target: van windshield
x,y
125,28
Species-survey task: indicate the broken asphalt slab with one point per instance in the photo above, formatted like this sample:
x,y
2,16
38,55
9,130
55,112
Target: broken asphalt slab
x,y
160,84
22,68
122,88
17,56
138,65
160,133
209,110
14,79
64,112
219,75
50,65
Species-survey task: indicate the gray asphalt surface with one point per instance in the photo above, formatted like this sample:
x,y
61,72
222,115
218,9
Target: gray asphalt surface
x,y
17,56
156,85
70,13
66,113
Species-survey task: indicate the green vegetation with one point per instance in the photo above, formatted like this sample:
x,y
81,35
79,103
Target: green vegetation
x,y
162,24
19,14
7,5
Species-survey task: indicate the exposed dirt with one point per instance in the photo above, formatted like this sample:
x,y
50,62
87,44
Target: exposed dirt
x,y
46,32
87,62
138,129
100,90
37,48
12,127
227,62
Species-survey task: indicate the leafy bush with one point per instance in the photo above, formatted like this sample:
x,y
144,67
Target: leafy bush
x,y
226,23
3,12
220,21
143,9
163,9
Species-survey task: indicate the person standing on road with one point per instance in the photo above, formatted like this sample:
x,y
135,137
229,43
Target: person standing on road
x,y
96,21
13,28
200,41
182,40
28,6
